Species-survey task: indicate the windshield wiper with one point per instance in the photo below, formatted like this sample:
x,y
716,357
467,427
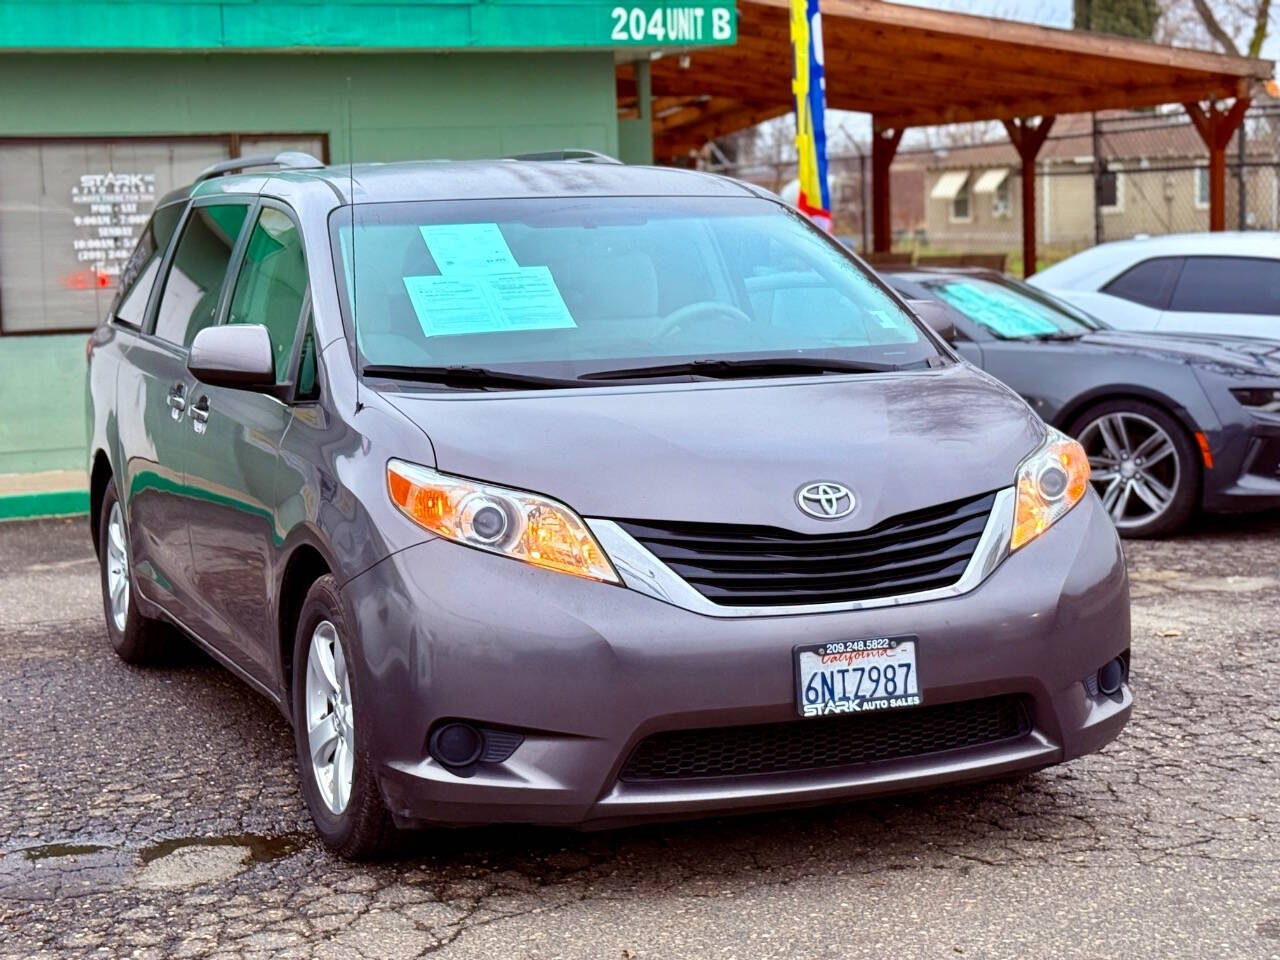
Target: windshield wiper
x,y
1057,335
459,376
727,369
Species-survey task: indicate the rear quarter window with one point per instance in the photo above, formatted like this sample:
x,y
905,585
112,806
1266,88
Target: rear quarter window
x,y
1148,283
1228,285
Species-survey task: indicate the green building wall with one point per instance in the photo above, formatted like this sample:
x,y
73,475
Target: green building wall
x,y
401,106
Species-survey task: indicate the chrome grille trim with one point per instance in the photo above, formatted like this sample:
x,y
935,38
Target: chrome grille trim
x,y
645,573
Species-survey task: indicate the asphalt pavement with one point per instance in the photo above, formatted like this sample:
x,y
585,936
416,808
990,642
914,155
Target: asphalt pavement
x,y
155,813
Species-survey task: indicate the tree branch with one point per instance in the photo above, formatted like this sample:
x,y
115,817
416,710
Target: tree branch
x,y
1260,28
1215,28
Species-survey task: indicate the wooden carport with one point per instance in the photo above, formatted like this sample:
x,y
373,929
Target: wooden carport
x,y
911,67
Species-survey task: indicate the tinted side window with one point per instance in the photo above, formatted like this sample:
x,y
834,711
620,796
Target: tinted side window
x,y
139,273
1148,283
1228,285
273,284
308,388
190,299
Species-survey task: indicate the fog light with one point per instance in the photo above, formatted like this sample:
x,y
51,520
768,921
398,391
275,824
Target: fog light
x,y
1111,676
456,744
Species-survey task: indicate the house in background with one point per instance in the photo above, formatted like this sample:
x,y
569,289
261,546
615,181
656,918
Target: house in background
x,y
1155,180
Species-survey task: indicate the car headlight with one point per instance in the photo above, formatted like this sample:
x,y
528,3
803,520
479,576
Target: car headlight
x,y
512,523
1258,398
1051,480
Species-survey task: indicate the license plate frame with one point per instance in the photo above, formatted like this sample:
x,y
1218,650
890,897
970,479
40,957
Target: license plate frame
x,y
860,654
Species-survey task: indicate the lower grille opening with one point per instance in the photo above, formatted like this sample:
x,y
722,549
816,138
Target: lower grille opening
x,y
838,741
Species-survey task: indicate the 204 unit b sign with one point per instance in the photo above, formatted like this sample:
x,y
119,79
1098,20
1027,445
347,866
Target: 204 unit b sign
x,y
857,676
660,24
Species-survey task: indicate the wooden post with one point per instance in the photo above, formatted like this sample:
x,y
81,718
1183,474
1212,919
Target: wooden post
x,y
884,145
1028,140
1216,127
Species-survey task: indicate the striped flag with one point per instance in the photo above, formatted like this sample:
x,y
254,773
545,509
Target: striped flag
x,y
809,87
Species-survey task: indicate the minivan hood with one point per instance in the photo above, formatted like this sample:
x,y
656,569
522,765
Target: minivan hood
x,y
737,452
1255,355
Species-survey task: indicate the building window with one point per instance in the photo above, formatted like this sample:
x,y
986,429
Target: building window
x,y
1202,188
962,205
1001,204
72,211
1110,191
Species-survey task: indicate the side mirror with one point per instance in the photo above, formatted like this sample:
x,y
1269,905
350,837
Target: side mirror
x,y
937,316
235,355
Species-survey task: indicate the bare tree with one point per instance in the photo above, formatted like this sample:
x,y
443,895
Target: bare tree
x,y
1237,27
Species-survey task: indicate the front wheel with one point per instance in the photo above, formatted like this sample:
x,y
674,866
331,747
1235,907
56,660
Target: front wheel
x,y
1144,466
337,775
136,639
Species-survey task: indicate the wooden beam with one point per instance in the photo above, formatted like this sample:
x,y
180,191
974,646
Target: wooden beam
x,y
695,136
961,111
1011,34
692,113
884,145
1216,128
1027,140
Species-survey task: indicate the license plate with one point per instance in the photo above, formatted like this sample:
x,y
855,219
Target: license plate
x,y
857,676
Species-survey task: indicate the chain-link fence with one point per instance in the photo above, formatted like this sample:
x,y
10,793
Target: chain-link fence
x,y
1108,177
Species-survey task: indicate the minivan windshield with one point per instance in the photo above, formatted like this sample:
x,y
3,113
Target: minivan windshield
x,y
570,288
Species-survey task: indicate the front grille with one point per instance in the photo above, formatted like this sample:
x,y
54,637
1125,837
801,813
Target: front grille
x,y
1262,459
839,741
744,565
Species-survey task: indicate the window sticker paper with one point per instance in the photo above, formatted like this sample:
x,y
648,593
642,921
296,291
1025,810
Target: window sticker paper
x,y
526,298
469,248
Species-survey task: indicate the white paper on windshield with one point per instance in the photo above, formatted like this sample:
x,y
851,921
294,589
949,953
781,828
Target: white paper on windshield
x,y
468,248
526,298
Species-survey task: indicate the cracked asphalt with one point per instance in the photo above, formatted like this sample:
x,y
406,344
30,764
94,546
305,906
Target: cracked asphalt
x,y
156,813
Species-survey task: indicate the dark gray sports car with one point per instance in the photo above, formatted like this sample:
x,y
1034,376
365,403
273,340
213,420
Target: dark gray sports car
x,y
1171,422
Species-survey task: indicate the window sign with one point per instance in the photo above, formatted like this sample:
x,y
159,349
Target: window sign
x,y
72,211
111,208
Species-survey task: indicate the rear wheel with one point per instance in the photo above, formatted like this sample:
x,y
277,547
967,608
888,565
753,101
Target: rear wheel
x,y
1144,466
337,775
135,638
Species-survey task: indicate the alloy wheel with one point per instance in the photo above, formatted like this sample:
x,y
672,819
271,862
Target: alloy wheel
x,y
331,735
117,560
1135,466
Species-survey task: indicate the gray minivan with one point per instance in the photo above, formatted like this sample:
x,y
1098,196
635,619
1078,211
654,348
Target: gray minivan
x,y
565,492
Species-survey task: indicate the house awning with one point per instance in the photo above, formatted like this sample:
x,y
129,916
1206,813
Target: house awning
x,y
949,185
991,180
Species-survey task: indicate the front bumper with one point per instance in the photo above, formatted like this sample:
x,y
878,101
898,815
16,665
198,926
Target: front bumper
x,y
585,671
1246,469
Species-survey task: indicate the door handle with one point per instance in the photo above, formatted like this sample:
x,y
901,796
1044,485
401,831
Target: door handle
x,y
177,401
199,413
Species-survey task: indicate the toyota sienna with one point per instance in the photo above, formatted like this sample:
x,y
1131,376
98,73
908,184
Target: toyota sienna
x,y
563,492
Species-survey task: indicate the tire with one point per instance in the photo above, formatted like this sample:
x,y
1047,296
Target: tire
x,y
1142,458
348,811
136,639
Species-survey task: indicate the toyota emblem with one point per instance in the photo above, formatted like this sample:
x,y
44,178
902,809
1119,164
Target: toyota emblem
x,y
825,500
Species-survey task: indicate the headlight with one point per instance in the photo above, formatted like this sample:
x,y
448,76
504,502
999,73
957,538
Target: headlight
x,y
1050,482
523,526
1258,398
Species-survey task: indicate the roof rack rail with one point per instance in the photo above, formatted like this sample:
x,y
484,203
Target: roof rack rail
x,y
288,160
568,156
